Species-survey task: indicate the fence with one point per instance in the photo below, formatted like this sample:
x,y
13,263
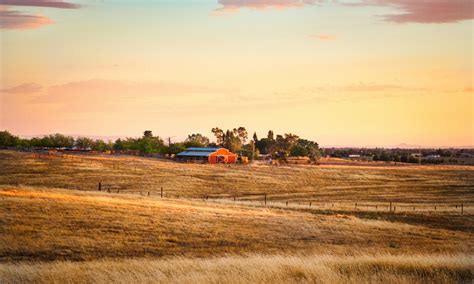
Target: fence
x,y
265,200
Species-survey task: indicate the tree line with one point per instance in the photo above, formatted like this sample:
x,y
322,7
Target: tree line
x,y
236,140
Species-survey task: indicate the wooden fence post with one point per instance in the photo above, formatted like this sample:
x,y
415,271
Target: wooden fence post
x,y
287,203
161,192
390,206
462,208
355,206
265,199
310,204
100,186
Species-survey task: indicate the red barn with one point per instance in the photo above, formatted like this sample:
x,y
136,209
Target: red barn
x,y
207,154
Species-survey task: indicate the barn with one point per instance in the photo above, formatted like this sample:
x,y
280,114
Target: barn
x,y
207,155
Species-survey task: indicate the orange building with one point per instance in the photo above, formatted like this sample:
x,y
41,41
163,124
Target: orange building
x,y
207,155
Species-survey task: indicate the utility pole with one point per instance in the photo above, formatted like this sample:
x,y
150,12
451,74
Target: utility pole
x,y
169,147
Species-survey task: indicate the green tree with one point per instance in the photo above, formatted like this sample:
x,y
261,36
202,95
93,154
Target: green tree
x,y
255,138
8,140
175,148
298,151
311,147
264,145
59,140
100,145
84,142
231,139
219,134
270,135
149,145
147,134
196,140
119,145
242,134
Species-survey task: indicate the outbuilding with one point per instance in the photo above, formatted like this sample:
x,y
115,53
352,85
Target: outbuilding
x,y
207,155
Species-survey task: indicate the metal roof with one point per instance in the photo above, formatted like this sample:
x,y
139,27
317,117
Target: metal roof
x,y
202,149
195,153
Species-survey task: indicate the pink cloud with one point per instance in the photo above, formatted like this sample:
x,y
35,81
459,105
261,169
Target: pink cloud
x,y
233,6
10,19
18,20
40,3
323,37
26,88
424,11
97,94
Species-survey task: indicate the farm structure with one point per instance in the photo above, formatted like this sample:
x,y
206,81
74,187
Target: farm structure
x,y
207,155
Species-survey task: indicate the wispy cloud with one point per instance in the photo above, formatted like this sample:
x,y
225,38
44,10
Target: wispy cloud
x,y
323,37
99,94
26,88
18,20
423,11
11,19
40,3
469,90
233,6
406,11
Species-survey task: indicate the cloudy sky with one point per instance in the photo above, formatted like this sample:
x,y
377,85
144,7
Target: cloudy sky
x,y
342,72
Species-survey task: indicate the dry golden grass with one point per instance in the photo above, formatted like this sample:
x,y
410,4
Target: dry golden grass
x,y
57,224
251,269
123,237
444,185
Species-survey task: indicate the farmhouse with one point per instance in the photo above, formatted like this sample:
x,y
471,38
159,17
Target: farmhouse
x,y
207,155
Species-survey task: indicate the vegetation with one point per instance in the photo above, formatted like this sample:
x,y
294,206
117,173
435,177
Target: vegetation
x,y
414,156
123,232
235,140
252,269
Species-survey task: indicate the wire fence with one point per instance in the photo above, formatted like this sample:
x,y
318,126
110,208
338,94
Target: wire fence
x,y
263,199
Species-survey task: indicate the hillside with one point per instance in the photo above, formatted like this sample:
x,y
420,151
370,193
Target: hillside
x,y
53,213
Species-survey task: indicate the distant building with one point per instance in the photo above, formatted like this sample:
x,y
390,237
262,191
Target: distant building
x,y
207,155
433,156
354,156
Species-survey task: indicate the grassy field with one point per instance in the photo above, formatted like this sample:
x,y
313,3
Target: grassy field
x,y
55,220
251,269
375,182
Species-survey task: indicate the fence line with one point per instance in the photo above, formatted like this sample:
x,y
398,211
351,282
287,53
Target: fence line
x,y
265,198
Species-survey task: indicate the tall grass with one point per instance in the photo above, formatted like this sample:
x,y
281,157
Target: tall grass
x,y
251,269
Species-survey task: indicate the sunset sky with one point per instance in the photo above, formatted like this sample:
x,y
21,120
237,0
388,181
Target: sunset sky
x,y
343,73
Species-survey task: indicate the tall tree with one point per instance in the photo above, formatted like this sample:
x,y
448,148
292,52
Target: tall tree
x,y
147,134
242,134
84,142
270,135
196,140
220,135
8,140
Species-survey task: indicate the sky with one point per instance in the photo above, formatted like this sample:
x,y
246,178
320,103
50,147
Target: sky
x,y
340,72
